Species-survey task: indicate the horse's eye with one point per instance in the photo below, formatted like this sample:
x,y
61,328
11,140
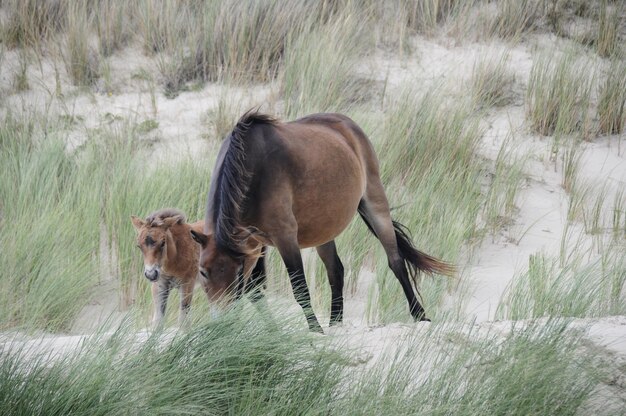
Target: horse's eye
x,y
203,273
162,244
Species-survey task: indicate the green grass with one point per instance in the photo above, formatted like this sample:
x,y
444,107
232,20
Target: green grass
x,y
58,207
612,99
535,369
576,289
608,40
240,365
516,18
492,81
558,95
235,365
431,175
319,69
49,229
54,204
507,179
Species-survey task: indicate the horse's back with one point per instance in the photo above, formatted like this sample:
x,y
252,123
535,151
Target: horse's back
x,y
318,166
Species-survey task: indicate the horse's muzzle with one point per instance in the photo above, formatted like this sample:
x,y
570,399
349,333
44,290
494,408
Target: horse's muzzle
x,y
152,274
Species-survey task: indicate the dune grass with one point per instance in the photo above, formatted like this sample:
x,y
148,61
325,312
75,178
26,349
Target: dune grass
x,y
492,81
515,18
576,289
241,365
319,69
612,99
534,369
558,95
49,229
234,365
56,204
607,40
431,176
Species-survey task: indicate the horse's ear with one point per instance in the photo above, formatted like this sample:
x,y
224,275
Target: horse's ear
x,y
252,238
138,223
200,238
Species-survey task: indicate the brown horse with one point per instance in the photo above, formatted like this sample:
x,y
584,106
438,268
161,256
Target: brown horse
x,y
170,259
295,185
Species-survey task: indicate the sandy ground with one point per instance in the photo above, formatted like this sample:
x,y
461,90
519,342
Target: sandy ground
x,y
542,204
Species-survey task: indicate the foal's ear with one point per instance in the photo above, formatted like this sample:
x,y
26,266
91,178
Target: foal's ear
x,y
138,223
169,221
200,238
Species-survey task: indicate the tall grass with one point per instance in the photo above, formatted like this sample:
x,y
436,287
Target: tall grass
x,y
431,174
608,39
558,95
54,204
612,99
507,179
575,290
536,369
81,59
49,228
516,17
492,81
424,16
319,67
236,365
32,21
233,41
113,23
243,365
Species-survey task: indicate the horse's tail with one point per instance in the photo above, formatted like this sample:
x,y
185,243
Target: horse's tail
x,y
414,259
417,260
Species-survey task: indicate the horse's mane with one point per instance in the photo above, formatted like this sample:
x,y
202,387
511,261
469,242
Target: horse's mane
x,y
232,184
158,216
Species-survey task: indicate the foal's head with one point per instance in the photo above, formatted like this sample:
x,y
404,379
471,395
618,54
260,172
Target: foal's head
x,y
153,236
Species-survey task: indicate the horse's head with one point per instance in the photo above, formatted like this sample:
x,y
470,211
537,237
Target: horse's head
x,y
217,267
153,237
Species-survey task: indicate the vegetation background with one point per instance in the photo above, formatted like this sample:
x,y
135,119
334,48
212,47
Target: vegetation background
x,y
499,126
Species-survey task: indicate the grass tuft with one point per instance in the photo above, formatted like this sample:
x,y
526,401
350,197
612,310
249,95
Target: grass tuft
x,y
492,81
574,290
607,41
612,99
558,96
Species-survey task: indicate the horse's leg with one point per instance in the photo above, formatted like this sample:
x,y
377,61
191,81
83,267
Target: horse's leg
x,y
257,278
290,253
334,269
374,210
239,284
160,293
186,295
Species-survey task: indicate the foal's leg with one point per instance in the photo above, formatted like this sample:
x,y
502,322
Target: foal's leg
x,y
186,295
160,292
374,210
290,252
334,269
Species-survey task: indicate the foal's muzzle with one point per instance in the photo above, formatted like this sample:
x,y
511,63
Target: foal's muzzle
x,y
151,274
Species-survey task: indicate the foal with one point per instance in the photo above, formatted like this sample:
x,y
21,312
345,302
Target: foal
x,y
170,258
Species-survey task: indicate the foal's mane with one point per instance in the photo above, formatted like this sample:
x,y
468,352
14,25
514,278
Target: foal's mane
x,y
232,184
153,219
